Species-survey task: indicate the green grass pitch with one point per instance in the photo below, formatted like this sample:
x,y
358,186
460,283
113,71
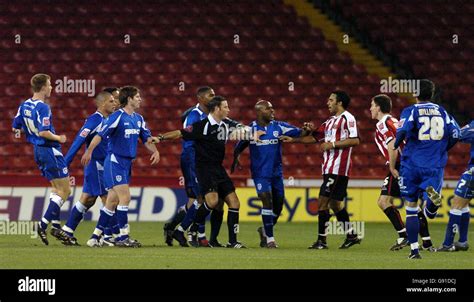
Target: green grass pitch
x,y
22,252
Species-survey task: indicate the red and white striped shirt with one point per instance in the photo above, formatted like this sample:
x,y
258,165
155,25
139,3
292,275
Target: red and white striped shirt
x,y
386,131
337,128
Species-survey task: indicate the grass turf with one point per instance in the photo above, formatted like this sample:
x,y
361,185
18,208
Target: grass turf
x,y
23,252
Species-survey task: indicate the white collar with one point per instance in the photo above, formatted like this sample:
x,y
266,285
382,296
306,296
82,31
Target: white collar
x,y
213,121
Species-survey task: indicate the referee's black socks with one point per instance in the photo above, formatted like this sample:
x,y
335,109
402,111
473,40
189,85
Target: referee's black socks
x,y
233,224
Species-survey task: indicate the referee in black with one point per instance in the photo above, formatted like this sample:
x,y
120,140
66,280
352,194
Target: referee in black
x,y
210,136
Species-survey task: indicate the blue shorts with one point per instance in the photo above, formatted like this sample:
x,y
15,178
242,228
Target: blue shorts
x,y
188,168
117,170
273,185
94,178
465,187
51,162
413,182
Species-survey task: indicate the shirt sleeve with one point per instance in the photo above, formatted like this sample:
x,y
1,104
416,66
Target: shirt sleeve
x,y
389,131
193,132
467,134
18,120
90,124
145,133
44,118
351,126
232,123
289,130
110,125
318,134
193,117
405,124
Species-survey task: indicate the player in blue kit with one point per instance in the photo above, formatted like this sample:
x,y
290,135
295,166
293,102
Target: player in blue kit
x,y
123,129
429,132
266,166
459,215
94,172
34,117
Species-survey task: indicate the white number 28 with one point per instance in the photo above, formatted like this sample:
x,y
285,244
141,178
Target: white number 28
x,y
435,125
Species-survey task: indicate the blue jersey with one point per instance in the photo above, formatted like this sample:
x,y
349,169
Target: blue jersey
x,y
35,116
467,136
194,116
85,135
123,131
265,156
429,131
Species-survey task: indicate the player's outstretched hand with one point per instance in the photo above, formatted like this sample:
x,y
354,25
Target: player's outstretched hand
x,y
395,173
308,126
62,138
153,140
285,139
155,158
86,158
235,163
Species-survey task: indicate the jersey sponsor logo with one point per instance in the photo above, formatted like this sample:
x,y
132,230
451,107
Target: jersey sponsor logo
x,y
129,132
85,132
266,142
46,121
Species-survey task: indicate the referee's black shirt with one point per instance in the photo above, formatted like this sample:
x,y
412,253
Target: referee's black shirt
x,y
210,138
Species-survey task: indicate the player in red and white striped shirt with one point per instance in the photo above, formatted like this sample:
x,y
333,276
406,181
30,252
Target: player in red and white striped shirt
x,y
385,135
337,136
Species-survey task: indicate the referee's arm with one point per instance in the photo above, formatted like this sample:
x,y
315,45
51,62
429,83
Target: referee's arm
x,y
192,132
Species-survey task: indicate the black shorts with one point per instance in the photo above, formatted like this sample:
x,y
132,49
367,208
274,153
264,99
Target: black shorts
x,y
390,185
212,178
334,186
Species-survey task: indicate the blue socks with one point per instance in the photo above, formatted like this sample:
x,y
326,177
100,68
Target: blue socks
x,y
453,226
77,213
190,215
267,218
104,219
53,211
464,225
122,218
412,225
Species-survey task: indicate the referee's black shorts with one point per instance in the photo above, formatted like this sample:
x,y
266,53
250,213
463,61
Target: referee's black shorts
x,y
214,178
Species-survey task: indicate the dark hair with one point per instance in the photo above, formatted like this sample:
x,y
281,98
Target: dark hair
x,y
384,102
125,93
111,89
215,102
38,81
201,90
427,89
342,96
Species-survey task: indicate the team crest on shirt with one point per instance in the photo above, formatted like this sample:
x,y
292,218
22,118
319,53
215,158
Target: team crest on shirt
x,y
85,132
139,124
381,127
259,186
275,133
46,121
351,124
189,128
118,178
